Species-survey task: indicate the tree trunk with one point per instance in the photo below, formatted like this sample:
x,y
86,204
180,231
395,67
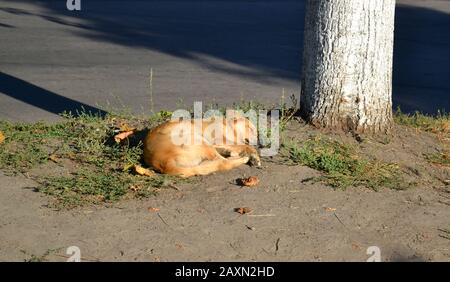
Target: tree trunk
x,y
347,64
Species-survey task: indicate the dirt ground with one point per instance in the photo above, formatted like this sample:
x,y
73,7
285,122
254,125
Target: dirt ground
x,y
292,220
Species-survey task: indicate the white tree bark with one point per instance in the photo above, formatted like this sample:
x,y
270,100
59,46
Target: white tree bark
x,y
347,64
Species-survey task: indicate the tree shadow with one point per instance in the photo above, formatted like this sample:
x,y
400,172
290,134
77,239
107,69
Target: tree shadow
x,y
404,257
42,98
262,36
261,39
6,25
421,60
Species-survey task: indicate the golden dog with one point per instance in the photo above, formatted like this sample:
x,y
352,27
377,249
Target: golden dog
x,y
201,146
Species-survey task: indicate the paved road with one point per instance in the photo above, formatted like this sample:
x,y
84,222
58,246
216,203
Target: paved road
x,y
52,59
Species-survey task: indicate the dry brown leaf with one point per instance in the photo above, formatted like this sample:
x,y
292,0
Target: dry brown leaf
x,y
2,137
71,155
127,167
355,246
126,128
250,181
151,209
330,209
135,188
143,171
53,158
243,210
121,136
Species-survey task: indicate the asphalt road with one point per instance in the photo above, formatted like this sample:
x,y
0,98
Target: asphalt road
x,y
52,59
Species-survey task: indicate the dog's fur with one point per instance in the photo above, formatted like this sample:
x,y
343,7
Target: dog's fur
x,y
214,151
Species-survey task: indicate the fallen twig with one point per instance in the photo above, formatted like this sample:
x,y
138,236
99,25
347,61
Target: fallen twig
x,y
339,219
173,187
276,245
162,219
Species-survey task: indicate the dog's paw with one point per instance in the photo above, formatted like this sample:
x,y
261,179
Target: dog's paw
x,y
254,160
245,159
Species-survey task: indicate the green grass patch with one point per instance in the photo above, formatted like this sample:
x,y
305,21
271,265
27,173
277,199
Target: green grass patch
x,y
441,158
102,171
27,145
439,123
341,164
39,258
94,186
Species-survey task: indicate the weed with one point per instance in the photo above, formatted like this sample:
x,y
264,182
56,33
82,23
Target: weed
x,y
27,145
39,258
439,124
287,112
152,110
341,165
441,158
85,186
87,140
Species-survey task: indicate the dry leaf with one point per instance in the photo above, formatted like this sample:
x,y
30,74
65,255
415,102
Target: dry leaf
x,y
330,209
126,128
119,137
127,167
53,158
143,171
243,210
135,188
355,246
71,155
151,209
250,181
2,137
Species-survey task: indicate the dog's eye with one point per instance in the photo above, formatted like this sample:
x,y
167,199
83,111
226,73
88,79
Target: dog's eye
x,y
246,141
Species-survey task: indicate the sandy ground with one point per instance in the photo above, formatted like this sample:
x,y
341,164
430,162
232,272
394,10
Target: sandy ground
x,y
88,59
292,220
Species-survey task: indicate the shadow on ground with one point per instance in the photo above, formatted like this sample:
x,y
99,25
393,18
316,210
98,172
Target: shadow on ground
x,y
422,59
42,98
263,37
